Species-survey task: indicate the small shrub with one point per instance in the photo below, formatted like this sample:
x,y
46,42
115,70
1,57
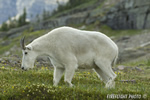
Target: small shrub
x,y
148,62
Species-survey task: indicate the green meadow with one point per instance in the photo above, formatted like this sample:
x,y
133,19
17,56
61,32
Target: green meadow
x,y
37,84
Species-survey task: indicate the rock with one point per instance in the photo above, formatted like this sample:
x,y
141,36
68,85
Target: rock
x,y
5,43
15,32
145,44
82,27
7,11
129,14
90,20
43,61
138,69
127,68
11,8
13,61
1,60
75,20
121,67
115,69
141,65
147,67
128,81
7,53
129,4
135,47
14,49
130,54
125,38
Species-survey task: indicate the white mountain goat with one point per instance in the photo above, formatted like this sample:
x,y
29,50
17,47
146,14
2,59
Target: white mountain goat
x,y
69,48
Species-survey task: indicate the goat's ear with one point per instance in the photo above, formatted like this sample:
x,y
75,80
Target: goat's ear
x,y
29,48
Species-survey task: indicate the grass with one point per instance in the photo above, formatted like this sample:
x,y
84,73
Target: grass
x,y
16,41
37,84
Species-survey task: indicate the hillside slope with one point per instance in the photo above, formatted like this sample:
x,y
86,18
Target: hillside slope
x,y
86,17
132,69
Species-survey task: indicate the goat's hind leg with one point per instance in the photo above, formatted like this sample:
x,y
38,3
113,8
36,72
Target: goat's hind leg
x,y
58,72
103,77
106,72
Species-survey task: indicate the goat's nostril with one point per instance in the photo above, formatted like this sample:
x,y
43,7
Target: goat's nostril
x,y
22,68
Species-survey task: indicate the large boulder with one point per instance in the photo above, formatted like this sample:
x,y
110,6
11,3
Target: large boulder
x,y
132,48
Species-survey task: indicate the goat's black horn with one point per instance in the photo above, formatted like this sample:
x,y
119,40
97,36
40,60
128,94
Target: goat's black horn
x,y
22,44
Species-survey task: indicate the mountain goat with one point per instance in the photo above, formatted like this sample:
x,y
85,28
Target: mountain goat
x,y
69,48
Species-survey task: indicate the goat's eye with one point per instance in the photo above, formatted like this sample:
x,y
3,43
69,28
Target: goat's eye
x,y
25,53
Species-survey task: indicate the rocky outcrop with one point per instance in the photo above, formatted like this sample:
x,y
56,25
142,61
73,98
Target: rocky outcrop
x,y
132,48
15,32
74,16
61,21
129,14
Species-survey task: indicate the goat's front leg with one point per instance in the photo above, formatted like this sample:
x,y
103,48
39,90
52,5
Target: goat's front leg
x,y
58,72
69,72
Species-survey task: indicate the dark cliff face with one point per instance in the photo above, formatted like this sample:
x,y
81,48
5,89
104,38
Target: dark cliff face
x,y
40,5
11,8
129,14
5,7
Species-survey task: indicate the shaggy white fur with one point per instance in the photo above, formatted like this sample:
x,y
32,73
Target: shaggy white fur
x,y
69,48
